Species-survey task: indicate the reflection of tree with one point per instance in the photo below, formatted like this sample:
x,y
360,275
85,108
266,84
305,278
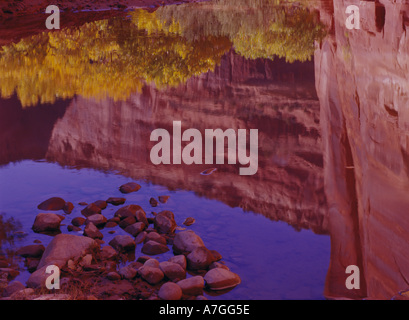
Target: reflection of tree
x,y
115,58
257,28
103,58
8,228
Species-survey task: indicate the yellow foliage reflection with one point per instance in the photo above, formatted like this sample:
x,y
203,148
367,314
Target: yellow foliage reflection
x,y
113,58
104,58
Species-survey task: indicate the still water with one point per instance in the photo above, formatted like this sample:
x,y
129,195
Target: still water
x,y
78,106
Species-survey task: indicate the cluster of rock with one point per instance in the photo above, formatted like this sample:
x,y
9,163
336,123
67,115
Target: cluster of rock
x,y
192,269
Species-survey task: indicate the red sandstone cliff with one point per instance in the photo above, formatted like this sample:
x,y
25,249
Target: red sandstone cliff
x,y
362,84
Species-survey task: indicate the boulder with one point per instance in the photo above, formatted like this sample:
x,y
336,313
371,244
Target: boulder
x,y
199,259
127,222
151,275
141,237
78,221
68,207
154,248
108,253
154,236
64,247
127,272
113,276
192,286
163,199
186,242
170,291
153,202
141,216
128,211
33,251
47,222
189,221
129,187
218,265
116,201
52,204
73,228
123,243
101,204
98,220
221,279
152,263
180,260
164,222
13,287
172,271
92,231
90,210
135,229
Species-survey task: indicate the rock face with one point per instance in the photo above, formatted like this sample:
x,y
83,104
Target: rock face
x,y
47,222
362,84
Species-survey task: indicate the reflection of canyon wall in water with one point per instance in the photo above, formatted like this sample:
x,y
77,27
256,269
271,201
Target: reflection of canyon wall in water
x,y
276,98
362,83
25,133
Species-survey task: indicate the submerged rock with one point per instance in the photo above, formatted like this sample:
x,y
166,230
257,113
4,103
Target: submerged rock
x,y
189,221
33,250
153,202
47,223
116,201
129,187
98,220
163,199
90,210
92,231
101,204
68,207
52,204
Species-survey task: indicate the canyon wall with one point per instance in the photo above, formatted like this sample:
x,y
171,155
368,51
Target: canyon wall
x,y
362,84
